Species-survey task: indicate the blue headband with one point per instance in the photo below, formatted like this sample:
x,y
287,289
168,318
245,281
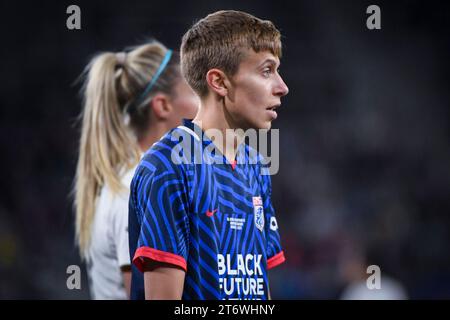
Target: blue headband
x,y
161,68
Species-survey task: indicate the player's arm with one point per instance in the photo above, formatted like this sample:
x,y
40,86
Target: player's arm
x,y
120,236
163,243
275,252
126,275
163,281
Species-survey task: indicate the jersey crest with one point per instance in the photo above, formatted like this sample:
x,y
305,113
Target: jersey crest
x,y
258,213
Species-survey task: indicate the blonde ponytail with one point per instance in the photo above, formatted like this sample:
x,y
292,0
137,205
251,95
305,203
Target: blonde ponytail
x,y
106,145
112,123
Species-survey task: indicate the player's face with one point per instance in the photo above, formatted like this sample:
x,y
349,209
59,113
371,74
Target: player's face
x,y
256,91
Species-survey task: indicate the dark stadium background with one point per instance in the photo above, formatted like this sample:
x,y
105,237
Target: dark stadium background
x,y
365,161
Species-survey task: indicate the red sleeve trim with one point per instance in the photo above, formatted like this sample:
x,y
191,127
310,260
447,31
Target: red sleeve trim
x,y
276,260
157,255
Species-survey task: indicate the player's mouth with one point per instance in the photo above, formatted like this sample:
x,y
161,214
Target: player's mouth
x,y
272,112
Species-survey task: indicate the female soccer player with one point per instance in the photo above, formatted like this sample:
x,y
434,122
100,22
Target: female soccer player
x,y
202,228
130,100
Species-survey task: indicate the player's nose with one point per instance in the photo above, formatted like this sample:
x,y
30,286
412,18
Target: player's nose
x,y
281,89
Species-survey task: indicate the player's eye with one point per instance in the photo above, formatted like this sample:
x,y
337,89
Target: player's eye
x,y
267,72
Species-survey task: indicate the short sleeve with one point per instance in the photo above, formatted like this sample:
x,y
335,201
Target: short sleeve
x,y
160,200
275,254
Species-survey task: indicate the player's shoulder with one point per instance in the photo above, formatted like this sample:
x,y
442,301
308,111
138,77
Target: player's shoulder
x,y
167,153
256,159
127,176
253,155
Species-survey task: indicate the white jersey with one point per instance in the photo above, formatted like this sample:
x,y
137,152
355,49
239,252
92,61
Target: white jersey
x,y
109,250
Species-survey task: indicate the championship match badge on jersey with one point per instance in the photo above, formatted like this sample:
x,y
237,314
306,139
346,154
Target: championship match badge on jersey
x,y
258,212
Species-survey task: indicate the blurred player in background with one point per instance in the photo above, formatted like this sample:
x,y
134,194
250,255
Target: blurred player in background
x,y
207,230
130,100
353,270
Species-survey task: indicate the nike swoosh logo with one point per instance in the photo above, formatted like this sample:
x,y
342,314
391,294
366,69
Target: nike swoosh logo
x,y
210,213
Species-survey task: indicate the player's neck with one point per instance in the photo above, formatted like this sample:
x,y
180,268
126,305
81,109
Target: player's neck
x,y
211,115
157,130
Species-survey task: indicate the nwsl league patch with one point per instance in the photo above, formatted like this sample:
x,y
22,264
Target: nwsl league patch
x,y
258,213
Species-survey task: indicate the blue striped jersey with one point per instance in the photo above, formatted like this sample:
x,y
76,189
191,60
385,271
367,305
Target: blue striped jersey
x,y
191,208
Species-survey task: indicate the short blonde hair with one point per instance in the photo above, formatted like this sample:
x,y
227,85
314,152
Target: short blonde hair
x,y
219,41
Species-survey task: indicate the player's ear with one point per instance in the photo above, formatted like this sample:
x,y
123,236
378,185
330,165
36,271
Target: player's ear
x,y
161,106
217,81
